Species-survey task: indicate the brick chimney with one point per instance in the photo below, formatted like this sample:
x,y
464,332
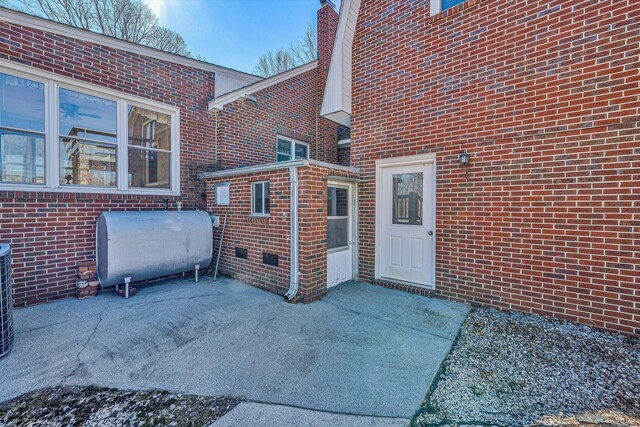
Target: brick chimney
x,y
327,26
327,130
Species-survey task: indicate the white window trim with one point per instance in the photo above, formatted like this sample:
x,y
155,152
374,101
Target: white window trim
x,y
52,82
292,142
253,207
350,200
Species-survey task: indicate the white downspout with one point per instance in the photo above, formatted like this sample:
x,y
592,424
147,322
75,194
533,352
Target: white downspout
x,y
293,286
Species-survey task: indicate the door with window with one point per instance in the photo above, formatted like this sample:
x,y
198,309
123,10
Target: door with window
x,y
339,233
406,223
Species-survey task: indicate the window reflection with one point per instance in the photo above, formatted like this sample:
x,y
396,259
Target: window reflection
x,y
407,198
87,163
87,139
22,130
149,148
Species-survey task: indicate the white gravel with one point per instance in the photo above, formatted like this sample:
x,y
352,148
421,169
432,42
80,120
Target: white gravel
x,y
513,369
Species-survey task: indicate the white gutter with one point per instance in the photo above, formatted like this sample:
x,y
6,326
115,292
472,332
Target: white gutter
x,y
295,273
275,166
252,169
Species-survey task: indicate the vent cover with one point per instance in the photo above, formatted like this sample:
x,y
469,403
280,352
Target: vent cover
x,y
6,301
241,253
270,259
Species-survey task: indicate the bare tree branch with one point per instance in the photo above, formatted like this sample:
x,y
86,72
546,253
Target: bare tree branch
x,y
303,51
306,49
271,63
129,20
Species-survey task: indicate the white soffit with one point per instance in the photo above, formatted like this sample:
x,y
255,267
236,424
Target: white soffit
x,y
336,102
218,103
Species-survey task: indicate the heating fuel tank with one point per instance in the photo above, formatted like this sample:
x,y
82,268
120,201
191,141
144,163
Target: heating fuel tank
x,y
150,244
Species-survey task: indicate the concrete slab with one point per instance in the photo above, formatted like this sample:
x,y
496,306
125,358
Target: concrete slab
x,y
261,414
363,350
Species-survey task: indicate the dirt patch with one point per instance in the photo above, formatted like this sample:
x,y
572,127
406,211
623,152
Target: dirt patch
x,y
105,407
511,369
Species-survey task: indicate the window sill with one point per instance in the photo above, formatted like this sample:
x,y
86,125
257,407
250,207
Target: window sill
x,y
338,249
85,190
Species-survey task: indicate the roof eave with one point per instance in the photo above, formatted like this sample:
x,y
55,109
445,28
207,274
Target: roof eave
x,y
217,104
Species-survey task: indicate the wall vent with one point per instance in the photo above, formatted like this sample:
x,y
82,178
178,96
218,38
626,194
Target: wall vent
x,y
241,253
270,259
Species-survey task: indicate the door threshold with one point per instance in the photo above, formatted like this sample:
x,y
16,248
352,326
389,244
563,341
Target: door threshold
x,y
403,282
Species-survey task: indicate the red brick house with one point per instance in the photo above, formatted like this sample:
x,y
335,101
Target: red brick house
x,y
351,166
543,97
89,123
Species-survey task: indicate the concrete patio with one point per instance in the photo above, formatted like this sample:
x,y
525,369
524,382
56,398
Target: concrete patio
x,y
363,350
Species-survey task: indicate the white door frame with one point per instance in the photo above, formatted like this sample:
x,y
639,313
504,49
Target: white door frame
x,y
419,159
353,223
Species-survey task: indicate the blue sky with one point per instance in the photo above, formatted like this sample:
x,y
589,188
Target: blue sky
x,y
234,33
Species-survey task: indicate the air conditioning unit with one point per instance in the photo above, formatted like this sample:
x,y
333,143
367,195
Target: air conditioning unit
x,y
6,300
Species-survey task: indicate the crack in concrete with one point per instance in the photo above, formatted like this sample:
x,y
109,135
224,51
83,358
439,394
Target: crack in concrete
x,y
43,327
134,305
84,347
382,319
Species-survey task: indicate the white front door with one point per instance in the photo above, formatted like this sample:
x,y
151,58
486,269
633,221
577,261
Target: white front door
x,y
339,233
406,222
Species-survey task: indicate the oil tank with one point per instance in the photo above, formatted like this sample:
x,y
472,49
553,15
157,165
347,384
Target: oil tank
x,y
150,244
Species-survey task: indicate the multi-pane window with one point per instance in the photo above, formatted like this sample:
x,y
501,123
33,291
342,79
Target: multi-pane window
x,y
22,130
261,200
55,135
88,141
288,149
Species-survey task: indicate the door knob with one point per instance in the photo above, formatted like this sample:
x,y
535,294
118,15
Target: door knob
x,y
430,233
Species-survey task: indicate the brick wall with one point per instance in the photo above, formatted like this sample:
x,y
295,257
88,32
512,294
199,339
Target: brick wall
x,y
247,130
51,232
327,130
344,156
544,96
312,202
271,234
255,234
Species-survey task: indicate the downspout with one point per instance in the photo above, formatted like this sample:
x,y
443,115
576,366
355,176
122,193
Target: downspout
x,y
317,133
293,285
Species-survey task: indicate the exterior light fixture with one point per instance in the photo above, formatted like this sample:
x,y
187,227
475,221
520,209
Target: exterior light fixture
x,y
464,158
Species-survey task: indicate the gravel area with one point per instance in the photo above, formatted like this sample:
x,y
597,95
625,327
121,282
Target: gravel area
x,y
514,369
104,407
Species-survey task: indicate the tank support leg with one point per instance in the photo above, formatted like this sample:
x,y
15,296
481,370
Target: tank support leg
x,y
197,269
127,282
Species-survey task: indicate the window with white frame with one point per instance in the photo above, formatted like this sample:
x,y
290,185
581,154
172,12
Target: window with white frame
x,y
22,130
438,6
289,149
260,198
60,135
